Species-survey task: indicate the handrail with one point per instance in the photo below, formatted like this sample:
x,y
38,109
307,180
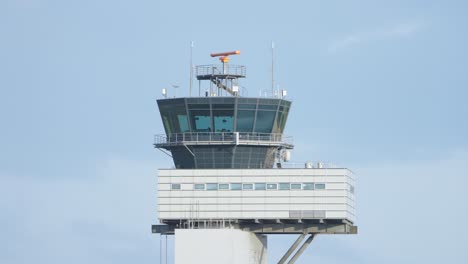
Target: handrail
x,y
217,69
225,137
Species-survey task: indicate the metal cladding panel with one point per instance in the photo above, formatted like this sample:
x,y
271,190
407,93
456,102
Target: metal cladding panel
x,y
333,197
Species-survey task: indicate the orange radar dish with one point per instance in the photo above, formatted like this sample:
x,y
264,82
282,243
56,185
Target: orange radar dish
x,y
225,54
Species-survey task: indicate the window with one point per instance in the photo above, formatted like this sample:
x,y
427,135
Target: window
x,y
296,186
272,186
183,123
200,120
264,121
260,186
245,120
224,186
247,186
223,120
236,186
199,186
174,117
320,186
175,186
212,186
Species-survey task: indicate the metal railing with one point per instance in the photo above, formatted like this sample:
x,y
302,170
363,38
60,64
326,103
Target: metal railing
x,y
310,165
217,69
222,138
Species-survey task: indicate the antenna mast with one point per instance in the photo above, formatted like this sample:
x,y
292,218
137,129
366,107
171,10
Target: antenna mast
x,y
272,68
191,67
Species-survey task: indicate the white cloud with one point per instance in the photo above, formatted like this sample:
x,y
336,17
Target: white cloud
x,y
396,31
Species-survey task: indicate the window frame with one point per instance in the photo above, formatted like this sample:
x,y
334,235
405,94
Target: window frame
x,y
247,189
199,189
173,185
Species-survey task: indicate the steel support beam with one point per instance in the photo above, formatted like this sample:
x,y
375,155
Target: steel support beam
x,y
291,249
301,249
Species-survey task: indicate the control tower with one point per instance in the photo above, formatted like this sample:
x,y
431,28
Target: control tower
x,y
232,185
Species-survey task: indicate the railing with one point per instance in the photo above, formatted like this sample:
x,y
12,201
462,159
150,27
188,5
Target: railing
x,y
222,138
219,69
310,165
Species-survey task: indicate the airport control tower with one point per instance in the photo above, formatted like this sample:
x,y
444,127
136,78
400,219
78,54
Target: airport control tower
x,y
231,184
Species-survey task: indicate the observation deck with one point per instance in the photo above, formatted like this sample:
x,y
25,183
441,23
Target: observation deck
x,y
221,71
223,138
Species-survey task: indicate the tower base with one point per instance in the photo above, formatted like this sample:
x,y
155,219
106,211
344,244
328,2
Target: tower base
x,y
219,246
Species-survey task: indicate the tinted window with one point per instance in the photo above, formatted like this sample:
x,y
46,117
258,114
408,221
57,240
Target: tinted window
x,y
223,120
224,186
320,186
260,186
212,186
272,186
245,120
296,186
199,187
284,186
247,186
236,186
200,120
264,121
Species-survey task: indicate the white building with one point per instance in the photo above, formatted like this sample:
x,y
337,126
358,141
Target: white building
x,y
261,194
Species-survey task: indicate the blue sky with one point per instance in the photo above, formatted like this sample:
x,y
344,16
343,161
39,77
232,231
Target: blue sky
x,y
377,86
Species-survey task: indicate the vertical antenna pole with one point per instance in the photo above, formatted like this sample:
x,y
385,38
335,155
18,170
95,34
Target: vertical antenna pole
x,y
272,68
191,67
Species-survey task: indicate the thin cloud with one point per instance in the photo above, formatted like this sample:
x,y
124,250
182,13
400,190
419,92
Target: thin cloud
x,y
397,31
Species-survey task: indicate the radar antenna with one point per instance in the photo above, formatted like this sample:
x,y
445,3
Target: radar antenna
x,y
224,76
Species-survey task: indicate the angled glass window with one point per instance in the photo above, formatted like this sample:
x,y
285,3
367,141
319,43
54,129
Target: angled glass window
x,y
320,186
284,186
183,123
236,186
260,186
174,118
245,120
264,121
247,186
224,186
200,120
175,186
272,186
212,186
296,186
223,120
199,186
308,186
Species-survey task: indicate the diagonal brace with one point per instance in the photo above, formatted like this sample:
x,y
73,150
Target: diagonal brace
x,y
291,249
301,249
